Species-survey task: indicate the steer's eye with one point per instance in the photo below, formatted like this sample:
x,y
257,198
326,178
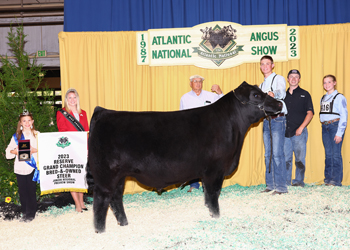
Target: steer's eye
x,y
256,95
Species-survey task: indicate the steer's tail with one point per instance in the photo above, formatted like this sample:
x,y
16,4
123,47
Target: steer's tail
x,y
89,177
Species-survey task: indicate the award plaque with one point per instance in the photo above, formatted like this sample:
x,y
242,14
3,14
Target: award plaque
x,y
24,150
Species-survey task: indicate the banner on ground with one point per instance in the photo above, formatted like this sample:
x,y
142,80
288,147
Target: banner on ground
x,y
217,45
62,158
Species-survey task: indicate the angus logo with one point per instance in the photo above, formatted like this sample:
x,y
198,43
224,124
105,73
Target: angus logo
x,y
63,142
218,44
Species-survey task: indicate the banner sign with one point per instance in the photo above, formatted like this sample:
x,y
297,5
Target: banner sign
x,y
217,45
62,158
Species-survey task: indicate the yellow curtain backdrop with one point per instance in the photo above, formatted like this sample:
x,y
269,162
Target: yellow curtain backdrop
x,y
102,67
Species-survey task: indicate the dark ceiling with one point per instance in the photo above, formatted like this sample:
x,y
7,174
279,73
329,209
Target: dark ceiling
x,y
50,11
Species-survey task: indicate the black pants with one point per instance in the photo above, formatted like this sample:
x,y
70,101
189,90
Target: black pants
x,y
27,195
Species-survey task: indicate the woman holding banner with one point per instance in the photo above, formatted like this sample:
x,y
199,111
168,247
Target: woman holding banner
x,y
73,118
25,163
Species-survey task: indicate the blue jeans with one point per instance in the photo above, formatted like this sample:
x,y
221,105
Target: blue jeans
x,y
296,144
194,183
277,178
333,171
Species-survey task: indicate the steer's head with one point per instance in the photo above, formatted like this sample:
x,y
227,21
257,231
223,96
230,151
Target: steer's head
x,y
251,95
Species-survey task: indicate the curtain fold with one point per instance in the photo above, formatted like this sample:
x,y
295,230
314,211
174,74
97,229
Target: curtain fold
x,y
102,67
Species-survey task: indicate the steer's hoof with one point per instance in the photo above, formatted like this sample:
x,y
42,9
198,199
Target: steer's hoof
x,y
99,231
215,216
123,223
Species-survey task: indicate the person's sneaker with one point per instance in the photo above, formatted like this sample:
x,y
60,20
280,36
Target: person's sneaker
x,y
276,192
265,191
297,185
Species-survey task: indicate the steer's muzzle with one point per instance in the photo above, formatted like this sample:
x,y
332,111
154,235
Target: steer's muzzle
x,y
272,106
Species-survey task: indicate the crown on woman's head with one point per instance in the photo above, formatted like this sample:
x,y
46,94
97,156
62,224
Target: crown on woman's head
x,y
25,112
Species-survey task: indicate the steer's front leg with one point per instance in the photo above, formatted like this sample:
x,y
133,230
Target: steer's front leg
x,y
211,193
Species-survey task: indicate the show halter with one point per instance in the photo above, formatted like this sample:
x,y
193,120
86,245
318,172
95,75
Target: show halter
x,y
259,105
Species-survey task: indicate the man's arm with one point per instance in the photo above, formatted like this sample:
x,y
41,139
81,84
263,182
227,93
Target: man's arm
x,y
279,88
216,88
343,111
306,121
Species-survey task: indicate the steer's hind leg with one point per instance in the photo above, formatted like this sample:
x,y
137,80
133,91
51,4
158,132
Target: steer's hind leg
x,y
117,203
101,204
211,194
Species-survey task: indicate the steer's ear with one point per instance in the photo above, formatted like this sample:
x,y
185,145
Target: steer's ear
x,y
243,91
242,86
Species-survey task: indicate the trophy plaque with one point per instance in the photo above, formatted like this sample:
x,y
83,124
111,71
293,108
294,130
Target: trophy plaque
x,y
24,150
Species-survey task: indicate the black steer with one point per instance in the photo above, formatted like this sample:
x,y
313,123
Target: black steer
x,y
164,148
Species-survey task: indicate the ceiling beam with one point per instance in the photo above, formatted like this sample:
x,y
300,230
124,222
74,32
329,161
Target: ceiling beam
x,y
48,23
32,7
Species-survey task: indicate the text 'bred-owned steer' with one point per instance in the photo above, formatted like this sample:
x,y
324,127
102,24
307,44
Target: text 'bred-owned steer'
x,y
164,148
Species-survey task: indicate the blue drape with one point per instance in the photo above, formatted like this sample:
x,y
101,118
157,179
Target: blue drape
x,y
126,15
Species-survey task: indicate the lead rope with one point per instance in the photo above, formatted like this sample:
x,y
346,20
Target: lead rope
x,y
269,119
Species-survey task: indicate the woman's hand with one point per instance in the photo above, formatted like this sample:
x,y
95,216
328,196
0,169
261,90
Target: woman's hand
x,y
14,151
33,150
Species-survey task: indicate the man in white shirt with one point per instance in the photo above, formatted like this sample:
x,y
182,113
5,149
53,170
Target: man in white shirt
x,y
199,98
275,86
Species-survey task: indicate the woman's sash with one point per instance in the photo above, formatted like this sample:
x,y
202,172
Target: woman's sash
x,y
72,120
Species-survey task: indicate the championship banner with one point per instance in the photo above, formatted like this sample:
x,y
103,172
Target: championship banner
x,y
217,45
62,158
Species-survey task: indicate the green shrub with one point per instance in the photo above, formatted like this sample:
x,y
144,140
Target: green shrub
x,y
8,186
20,79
